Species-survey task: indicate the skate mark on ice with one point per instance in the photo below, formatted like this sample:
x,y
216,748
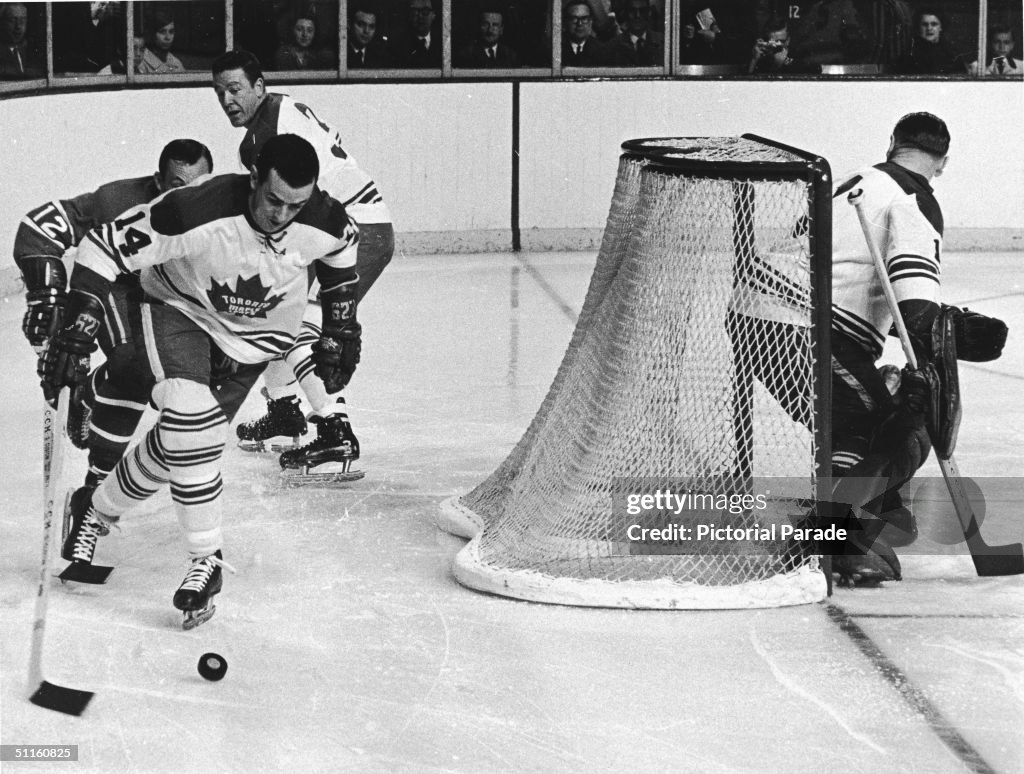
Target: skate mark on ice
x,y
1012,674
791,685
420,705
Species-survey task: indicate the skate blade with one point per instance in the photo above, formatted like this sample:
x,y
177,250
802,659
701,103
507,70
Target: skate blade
x,y
84,572
860,580
269,446
194,618
296,477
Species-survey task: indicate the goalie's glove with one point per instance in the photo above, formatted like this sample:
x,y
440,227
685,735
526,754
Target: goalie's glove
x,y
979,338
45,279
64,361
916,389
336,354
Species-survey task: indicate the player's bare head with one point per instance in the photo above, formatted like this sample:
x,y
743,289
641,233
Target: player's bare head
x,y
239,84
923,132
283,180
181,162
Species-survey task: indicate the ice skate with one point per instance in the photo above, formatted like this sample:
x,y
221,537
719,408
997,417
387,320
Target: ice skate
x,y
279,430
327,459
82,528
867,569
203,581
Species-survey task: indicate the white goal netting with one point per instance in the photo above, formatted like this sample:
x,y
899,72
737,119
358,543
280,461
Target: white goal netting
x,y
693,372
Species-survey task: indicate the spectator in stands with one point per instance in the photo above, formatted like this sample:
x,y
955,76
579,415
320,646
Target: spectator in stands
x,y
419,44
488,50
580,48
364,47
831,32
643,43
156,57
1001,62
929,53
17,59
702,39
299,51
89,37
770,54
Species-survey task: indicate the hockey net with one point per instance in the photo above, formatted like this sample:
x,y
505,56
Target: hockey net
x,y
697,369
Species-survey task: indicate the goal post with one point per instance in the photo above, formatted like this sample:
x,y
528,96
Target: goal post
x,y
685,433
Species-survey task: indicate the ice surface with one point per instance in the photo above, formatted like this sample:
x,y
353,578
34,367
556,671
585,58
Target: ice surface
x,y
350,647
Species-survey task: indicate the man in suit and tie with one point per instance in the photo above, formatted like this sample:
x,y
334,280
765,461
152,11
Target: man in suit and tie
x,y
642,45
364,48
420,45
579,46
488,50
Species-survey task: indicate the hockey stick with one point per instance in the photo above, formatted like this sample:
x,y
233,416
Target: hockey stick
x,y
988,560
46,694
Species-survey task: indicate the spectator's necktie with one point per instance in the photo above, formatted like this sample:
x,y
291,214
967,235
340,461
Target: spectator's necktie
x,y
422,46
490,53
16,54
362,55
577,48
638,44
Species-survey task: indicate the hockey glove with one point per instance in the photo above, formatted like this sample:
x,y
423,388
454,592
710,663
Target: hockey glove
x,y
64,360
45,280
44,315
978,338
336,355
915,390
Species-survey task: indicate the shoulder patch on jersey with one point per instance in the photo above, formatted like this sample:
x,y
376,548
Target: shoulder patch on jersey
x,y
913,184
183,209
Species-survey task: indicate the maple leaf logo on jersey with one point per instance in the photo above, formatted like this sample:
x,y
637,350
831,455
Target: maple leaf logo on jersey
x,y
248,299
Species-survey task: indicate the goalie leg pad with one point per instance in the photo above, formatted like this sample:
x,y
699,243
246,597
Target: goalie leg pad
x,y
944,416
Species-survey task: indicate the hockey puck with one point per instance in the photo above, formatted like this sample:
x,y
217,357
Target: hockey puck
x,y
212,666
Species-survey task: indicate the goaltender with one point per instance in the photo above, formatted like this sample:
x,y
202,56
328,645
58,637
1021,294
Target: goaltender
x,y
881,433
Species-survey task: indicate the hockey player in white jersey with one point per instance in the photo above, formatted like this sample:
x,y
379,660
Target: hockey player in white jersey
x,y
877,435
241,91
225,270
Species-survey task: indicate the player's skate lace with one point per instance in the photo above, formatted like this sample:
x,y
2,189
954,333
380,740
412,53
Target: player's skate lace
x,y
92,529
200,572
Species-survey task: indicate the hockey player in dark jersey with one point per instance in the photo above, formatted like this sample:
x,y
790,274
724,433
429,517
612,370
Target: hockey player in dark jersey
x,y
225,272
50,231
241,90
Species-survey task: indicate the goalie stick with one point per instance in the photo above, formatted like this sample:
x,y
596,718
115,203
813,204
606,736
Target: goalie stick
x,y
988,560
46,694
